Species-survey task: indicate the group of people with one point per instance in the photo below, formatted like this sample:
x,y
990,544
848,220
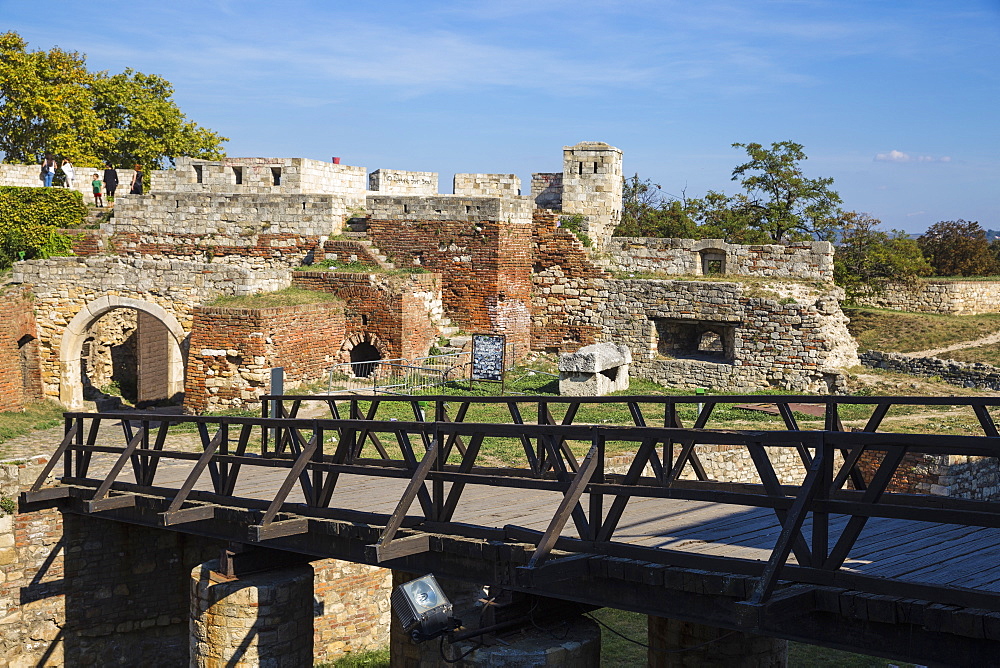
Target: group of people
x,y
109,182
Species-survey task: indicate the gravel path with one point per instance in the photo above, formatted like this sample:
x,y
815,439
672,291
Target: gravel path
x,y
934,352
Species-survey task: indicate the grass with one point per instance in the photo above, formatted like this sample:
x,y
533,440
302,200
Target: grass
x,y
616,652
360,268
988,354
286,297
903,332
38,415
378,658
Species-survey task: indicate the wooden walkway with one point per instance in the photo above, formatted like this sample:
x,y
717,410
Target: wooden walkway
x,y
834,559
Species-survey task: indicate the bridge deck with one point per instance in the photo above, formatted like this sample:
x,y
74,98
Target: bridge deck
x,y
831,558
905,550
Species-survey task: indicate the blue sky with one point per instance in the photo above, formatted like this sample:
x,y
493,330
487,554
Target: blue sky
x,y
898,101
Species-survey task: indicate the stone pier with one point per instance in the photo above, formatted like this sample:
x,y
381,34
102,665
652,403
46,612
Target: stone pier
x,y
260,619
673,643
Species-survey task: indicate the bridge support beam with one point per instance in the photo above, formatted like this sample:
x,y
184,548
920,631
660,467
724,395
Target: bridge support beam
x,y
673,643
263,618
575,642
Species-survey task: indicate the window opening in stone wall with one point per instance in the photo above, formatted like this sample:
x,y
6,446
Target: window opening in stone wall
x,y
238,173
713,263
579,168
198,176
693,339
276,175
595,167
363,358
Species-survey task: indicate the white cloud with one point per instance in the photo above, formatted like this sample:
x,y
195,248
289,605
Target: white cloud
x,y
900,156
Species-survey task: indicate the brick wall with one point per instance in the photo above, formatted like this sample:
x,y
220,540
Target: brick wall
x,y
485,268
232,349
20,379
394,313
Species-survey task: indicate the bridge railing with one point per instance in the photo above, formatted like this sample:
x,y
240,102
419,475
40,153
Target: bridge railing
x,y
820,518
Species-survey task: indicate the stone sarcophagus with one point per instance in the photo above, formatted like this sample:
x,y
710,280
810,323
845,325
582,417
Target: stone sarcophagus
x,y
594,370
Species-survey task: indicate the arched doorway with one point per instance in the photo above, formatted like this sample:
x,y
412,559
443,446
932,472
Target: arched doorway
x,y
363,358
159,344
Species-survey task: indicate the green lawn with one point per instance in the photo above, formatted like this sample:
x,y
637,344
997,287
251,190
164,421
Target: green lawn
x,y
902,332
39,415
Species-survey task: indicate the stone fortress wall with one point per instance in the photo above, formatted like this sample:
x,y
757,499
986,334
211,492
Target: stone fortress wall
x,y
498,262
29,176
929,296
804,260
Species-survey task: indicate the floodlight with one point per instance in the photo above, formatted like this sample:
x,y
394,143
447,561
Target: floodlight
x,y
423,609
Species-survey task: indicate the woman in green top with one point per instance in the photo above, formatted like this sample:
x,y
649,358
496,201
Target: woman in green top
x,y
96,183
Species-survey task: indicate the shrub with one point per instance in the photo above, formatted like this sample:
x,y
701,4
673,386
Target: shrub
x,y
30,219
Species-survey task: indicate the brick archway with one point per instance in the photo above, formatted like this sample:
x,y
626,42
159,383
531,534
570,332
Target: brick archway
x,y
71,345
364,337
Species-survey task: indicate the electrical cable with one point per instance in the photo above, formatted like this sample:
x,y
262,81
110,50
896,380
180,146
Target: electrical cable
x,y
654,649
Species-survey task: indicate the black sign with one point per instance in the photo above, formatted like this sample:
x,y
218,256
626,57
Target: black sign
x,y
487,356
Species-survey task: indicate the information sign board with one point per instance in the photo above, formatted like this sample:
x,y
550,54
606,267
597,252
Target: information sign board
x,y
488,356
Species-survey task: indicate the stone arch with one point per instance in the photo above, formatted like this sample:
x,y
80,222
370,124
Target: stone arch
x,y
71,345
364,340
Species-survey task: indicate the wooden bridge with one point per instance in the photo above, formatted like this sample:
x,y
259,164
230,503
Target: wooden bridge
x,y
832,558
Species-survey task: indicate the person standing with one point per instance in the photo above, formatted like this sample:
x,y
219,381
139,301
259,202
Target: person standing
x,y
48,169
68,172
110,181
96,184
136,186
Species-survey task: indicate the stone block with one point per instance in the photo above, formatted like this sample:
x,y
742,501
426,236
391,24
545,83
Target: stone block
x,y
595,370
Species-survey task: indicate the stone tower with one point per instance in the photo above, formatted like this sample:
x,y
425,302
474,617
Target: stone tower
x,y
592,186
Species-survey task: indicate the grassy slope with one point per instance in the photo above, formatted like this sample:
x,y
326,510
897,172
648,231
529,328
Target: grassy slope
x,y
898,331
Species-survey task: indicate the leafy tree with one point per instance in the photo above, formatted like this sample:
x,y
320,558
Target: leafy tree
x,y
958,248
51,103
648,213
45,104
867,257
779,200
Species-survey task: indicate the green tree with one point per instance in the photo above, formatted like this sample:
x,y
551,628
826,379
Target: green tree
x,y
779,200
51,103
45,104
958,248
868,258
646,212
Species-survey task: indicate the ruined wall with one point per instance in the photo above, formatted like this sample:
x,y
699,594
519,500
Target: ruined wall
x,y
232,350
20,376
958,476
153,360
399,182
397,314
485,264
780,335
487,185
253,230
963,374
806,260
954,297
63,288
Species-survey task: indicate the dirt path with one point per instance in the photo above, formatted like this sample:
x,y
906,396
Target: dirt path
x,y
934,352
